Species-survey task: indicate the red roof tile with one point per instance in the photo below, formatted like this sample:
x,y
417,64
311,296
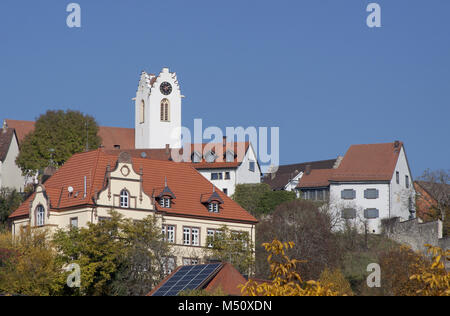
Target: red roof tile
x,y
372,162
184,181
23,128
111,136
316,178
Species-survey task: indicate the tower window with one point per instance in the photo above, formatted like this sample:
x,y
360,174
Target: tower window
x,y
165,107
124,199
142,112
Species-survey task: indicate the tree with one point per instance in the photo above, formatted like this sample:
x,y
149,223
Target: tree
x,y
56,137
144,260
117,256
28,265
433,279
308,225
232,247
10,200
437,204
286,281
259,199
336,281
397,265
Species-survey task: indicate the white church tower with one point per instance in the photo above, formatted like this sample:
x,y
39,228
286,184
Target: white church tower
x,y
158,111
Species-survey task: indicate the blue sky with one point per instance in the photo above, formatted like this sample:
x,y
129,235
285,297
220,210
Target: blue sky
x,y
311,67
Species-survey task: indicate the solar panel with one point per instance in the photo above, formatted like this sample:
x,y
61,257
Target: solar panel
x,y
187,278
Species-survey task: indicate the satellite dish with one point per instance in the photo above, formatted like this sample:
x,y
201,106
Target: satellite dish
x,y
143,154
70,189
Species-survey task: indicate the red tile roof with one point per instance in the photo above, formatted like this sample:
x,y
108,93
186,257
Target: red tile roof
x,y
227,279
184,181
23,128
372,162
316,178
111,136
286,173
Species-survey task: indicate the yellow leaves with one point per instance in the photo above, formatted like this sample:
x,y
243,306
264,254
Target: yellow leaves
x,y
285,280
433,280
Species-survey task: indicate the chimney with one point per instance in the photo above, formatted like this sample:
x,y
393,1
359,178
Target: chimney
x,y
396,144
308,169
224,141
5,126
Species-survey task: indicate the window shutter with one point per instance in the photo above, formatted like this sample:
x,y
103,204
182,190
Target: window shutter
x,y
348,194
371,213
371,194
348,213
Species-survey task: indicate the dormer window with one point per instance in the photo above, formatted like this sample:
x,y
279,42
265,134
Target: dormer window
x,y
212,201
229,157
196,157
165,202
213,207
40,216
210,157
124,199
165,196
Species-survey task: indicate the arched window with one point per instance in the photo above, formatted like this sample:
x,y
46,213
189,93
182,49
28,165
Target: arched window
x,y
165,108
40,216
142,112
124,199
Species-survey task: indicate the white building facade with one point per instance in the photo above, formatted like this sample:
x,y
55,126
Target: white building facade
x,y
366,202
10,174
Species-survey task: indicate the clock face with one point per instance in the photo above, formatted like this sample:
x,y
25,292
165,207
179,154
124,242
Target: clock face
x,y
166,88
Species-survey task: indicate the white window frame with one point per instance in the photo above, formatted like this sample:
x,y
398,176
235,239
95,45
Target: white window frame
x,y
186,236
168,232
195,238
72,220
124,199
165,202
213,207
40,216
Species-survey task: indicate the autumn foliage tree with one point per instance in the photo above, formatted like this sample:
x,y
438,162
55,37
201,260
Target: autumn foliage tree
x,y
28,265
285,280
433,279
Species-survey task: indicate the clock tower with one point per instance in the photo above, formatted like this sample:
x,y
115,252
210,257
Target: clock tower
x,y
158,111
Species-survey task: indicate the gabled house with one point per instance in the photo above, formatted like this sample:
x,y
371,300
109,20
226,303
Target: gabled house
x,y
373,182
431,198
10,174
90,184
287,177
